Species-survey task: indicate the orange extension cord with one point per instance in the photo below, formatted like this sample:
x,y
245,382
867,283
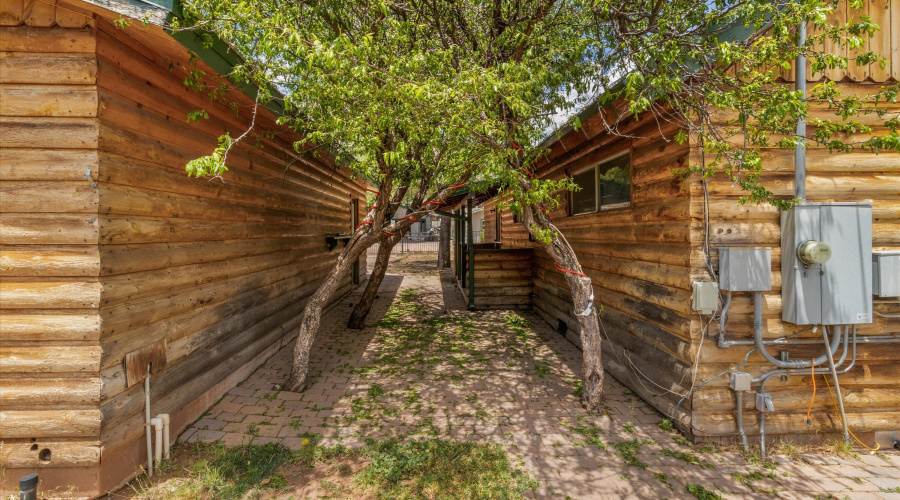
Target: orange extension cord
x,y
833,402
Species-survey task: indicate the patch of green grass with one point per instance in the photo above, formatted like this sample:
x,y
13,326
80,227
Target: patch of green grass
x,y
578,391
627,450
895,489
688,458
664,479
375,391
629,427
702,493
447,469
752,476
541,368
666,425
841,447
591,433
230,473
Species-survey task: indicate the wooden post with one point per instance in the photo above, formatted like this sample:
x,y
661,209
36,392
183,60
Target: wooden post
x,y
471,247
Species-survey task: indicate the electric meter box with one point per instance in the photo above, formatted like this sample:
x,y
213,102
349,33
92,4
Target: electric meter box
x,y
839,290
745,269
886,273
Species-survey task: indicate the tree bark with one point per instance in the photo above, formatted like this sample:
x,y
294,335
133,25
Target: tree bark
x,y
444,243
312,313
382,229
361,311
582,291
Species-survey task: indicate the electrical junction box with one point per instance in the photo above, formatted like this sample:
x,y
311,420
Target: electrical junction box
x,y
705,297
740,381
886,273
764,403
837,291
745,269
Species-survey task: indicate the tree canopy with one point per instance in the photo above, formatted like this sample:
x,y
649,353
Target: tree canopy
x,y
465,84
431,93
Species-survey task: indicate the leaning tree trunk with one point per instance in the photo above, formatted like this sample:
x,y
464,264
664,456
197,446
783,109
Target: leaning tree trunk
x,y
444,243
582,298
361,311
312,313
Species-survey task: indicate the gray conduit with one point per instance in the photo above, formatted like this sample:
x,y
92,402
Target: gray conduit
x,y
739,395
787,372
837,385
723,318
760,346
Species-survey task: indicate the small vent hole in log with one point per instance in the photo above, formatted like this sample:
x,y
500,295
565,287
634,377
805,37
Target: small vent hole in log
x,y
44,455
34,447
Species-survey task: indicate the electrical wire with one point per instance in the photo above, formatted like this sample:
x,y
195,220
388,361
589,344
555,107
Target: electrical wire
x,y
833,402
812,369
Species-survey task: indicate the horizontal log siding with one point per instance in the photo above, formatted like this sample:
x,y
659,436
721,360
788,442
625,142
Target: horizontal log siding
x,y
502,279
219,269
49,260
638,258
870,389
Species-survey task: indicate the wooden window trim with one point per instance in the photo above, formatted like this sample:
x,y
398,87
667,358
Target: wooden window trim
x,y
599,208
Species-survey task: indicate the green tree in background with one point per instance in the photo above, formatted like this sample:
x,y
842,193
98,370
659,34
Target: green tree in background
x,y
431,93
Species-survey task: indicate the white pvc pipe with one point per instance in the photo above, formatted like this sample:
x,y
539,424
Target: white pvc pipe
x,y
147,423
158,429
165,420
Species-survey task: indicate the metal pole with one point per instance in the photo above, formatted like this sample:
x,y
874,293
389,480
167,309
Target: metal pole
x,y
800,149
28,487
471,253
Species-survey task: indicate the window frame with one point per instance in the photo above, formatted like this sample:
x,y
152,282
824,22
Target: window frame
x,y
598,206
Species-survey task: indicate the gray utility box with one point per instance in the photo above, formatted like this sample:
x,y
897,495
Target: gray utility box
x,y
886,273
839,291
745,269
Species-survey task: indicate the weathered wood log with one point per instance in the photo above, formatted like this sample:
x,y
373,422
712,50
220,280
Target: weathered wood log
x,y
28,100
58,261
50,359
29,39
22,424
50,326
24,454
48,69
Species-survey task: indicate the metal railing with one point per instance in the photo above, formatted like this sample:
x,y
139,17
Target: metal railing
x,y
419,243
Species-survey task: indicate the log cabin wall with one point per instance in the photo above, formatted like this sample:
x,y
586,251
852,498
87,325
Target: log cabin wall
x,y
50,288
637,257
94,269
871,390
645,290
502,278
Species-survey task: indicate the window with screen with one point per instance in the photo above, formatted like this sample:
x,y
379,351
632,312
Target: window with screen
x,y
603,187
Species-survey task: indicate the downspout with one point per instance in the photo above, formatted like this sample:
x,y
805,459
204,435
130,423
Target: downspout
x,y
800,148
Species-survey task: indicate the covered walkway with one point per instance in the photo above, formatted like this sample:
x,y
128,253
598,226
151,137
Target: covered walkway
x,y
429,368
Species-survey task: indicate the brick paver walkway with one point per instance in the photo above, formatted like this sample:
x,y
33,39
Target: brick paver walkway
x,y
430,368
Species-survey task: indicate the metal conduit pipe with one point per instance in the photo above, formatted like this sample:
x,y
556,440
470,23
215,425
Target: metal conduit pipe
x,y
867,339
817,371
739,400
799,149
760,346
787,372
800,371
723,320
837,386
